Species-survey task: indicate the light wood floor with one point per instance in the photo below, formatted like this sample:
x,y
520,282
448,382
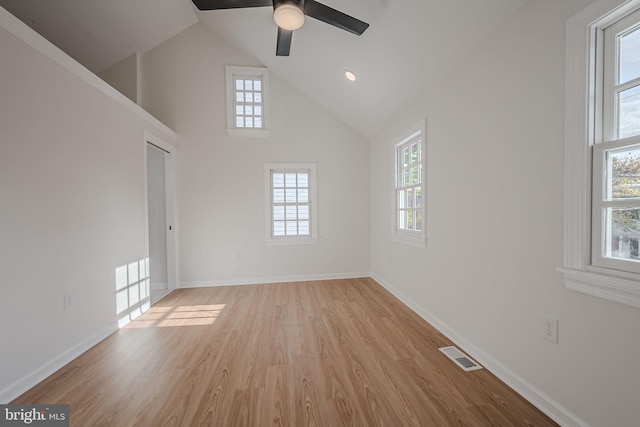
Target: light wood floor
x,y
330,353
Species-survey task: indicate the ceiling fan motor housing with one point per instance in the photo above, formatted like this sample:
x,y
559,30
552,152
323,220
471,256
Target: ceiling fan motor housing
x,y
298,3
288,14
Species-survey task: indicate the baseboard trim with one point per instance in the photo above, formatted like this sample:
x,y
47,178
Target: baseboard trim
x,y
29,381
535,396
159,286
274,279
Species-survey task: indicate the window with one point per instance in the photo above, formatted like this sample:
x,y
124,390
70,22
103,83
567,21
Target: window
x,y
409,188
409,185
247,101
602,156
616,155
290,203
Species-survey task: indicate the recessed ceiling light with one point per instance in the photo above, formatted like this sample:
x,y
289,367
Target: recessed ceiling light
x,y
350,76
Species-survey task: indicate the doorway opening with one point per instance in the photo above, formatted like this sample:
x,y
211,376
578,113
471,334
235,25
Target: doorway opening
x,y
160,173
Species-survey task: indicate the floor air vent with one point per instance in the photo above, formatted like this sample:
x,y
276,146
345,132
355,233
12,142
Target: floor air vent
x,y
461,359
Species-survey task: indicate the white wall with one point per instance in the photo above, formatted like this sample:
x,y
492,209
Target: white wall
x,y
495,223
221,212
125,77
72,205
72,191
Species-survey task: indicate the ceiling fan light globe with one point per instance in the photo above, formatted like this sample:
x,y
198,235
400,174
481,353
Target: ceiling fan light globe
x,y
288,16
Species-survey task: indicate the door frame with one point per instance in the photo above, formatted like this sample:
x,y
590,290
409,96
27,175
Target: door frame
x,y
170,203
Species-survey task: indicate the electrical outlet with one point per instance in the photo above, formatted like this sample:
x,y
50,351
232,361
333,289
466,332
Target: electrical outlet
x,y
67,300
550,329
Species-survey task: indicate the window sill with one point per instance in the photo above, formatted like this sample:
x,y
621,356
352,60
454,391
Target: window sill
x,y
292,241
407,239
251,133
612,288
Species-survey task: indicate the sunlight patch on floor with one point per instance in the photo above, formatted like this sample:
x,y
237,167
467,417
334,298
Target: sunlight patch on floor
x,y
184,315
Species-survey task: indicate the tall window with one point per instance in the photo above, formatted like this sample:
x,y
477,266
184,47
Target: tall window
x,y
247,101
616,154
602,152
409,188
290,203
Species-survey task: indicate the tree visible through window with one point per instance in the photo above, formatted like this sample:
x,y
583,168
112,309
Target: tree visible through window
x,y
409,184
622,223
616,154
602,152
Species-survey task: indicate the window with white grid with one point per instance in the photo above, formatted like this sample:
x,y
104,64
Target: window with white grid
x,y
409,188
247,101
616,153
602,152
290,203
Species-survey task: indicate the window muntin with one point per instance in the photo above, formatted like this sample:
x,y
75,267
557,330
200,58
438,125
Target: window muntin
x,y
616,215
616,156
409,184
248,105
409,190
583,145
247,100
290,203
621,78
628,81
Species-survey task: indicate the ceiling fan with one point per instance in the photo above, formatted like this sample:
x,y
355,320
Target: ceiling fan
x,y
289,16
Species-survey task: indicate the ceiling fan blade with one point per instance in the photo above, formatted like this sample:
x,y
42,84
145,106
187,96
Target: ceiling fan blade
x,y
284,42
230,4
334,17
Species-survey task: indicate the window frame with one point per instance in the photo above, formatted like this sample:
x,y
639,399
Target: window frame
x,y
233,72
584,132
599,236
606,93
311,169
408,237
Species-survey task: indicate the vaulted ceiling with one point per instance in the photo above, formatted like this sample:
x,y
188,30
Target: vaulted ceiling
x,y
409,45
